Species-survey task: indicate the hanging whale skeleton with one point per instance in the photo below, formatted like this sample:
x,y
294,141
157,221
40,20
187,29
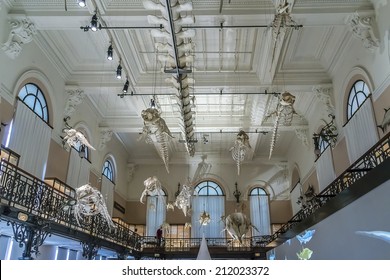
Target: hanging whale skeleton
x,y
240,148
284,114
237,225
183,200
153,188
156,132
177,57
90,202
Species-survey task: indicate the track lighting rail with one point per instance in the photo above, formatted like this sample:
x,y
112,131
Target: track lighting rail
x,y
201,93
100,27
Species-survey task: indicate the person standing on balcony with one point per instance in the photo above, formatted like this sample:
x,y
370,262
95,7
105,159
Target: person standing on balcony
x,y
159,236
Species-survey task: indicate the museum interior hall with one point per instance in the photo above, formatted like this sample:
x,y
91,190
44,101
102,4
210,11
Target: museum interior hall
x,y
194,130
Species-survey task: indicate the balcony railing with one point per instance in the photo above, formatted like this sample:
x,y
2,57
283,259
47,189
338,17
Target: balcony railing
x,y
367,162
48,205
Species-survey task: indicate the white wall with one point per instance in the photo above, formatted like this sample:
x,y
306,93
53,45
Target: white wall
x,y
337,237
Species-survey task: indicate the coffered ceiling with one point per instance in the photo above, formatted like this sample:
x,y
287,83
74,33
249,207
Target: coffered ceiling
x,y
233,67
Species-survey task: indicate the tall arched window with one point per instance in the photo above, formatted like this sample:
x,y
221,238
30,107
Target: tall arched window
x,y
32,96
108,183
259,210
210,198
108,170
357,95
30,134
361,129
155,212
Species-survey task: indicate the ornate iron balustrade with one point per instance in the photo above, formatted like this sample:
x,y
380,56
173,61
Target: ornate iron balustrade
x,y
370,160
186,244
23,192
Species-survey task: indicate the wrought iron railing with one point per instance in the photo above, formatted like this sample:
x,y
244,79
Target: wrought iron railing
x,y
26,193
49,206
371,159
186,244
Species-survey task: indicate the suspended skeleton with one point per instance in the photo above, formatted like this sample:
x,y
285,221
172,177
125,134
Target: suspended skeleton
x,y
240,148
90,202
152,188
183,200
284,114
177,56
237,225
156,132
281,21
73,136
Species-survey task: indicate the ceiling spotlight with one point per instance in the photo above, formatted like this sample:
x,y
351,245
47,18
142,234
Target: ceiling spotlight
x,y
109,53
119,72
81,3
94,23
126,86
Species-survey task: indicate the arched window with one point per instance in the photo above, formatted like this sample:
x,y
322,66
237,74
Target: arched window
x,y
357,95
361,129
108,170
108,183
208,198
32,96
208,188
29,133
259,211
322,144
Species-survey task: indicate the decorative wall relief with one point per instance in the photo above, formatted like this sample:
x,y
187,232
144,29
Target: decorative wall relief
x,y
22,32
362,28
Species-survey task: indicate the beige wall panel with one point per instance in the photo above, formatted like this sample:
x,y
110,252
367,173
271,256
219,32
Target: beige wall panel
x,y
340,157
57,163
280,211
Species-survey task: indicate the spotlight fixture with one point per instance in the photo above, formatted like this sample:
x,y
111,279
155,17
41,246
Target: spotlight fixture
x,y
119,72
94,23
110,53
81,3
22,217
126,86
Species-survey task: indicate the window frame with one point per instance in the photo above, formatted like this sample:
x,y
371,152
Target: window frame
x,y
110,167
354,97
39,98
206,184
